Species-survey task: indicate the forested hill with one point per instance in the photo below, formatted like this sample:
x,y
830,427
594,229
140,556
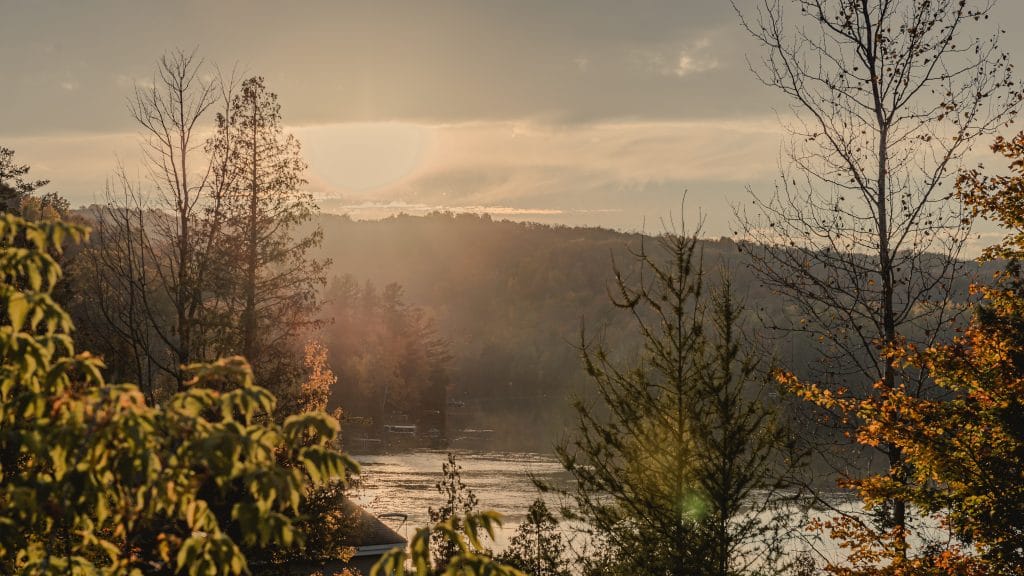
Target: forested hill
x,y
509,298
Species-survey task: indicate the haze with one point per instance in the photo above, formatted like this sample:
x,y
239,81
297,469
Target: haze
x,y
582,113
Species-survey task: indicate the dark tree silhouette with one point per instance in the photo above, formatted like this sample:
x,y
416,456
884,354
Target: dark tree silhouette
x,y
147,262
458,502
170,112
13,185
537,548
388,356
16,193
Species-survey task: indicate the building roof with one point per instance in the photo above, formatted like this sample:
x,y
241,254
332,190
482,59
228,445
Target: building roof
x,y
367,529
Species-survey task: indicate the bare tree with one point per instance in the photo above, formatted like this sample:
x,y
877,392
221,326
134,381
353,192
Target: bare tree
x,y
169,112
862,234
123,310
207,263
152,254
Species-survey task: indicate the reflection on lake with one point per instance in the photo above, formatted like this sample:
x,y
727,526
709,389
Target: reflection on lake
x,y
404,483
502,481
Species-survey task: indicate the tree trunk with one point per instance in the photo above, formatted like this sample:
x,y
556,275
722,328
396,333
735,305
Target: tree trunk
x,y
251,255
184,257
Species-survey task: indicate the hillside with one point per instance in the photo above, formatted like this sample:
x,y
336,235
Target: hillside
x,y
509,298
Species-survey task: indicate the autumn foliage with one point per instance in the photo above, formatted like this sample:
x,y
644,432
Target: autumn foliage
x,y
97,481
963,445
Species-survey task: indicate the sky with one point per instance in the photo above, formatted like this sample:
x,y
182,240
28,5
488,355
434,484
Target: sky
x,y
597,112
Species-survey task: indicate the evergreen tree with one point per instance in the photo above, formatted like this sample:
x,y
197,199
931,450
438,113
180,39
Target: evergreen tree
x,y
679,464
13,185
17,193
268,283
537,547
387,353
458,502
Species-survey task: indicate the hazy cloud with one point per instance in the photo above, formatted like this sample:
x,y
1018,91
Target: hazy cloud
x,y
383,209
446,61
584,112
694,57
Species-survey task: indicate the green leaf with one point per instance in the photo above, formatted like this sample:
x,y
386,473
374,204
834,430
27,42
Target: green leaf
x,y
17,310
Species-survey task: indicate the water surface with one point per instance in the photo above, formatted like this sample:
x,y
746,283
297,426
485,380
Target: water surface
x,y
406,483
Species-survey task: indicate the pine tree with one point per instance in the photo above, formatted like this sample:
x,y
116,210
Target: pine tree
x,y
459,501
268,284
537,547
678,465
17,194
388,355
13,185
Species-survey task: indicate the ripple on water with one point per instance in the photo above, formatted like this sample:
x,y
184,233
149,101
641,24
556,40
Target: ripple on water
x,y
502,481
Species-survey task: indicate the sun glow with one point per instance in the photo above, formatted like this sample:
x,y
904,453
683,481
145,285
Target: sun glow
x,y
357,157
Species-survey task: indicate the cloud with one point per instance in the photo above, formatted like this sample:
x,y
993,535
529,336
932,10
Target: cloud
x,y
672,60
610,173
363,155
689,64
76,164
449,62
600,173
494,162
128,82
376,209
696,58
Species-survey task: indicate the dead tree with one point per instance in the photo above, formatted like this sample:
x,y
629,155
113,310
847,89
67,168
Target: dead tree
x,y
169,112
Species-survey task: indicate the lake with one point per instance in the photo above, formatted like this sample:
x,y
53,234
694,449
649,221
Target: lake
x,y
405,483
503,482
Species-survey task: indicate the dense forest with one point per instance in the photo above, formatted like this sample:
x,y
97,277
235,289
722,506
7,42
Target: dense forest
x,y
508,300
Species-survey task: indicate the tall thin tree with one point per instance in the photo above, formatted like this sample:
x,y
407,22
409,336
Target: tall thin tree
x,y
861,233
268,280
169,111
